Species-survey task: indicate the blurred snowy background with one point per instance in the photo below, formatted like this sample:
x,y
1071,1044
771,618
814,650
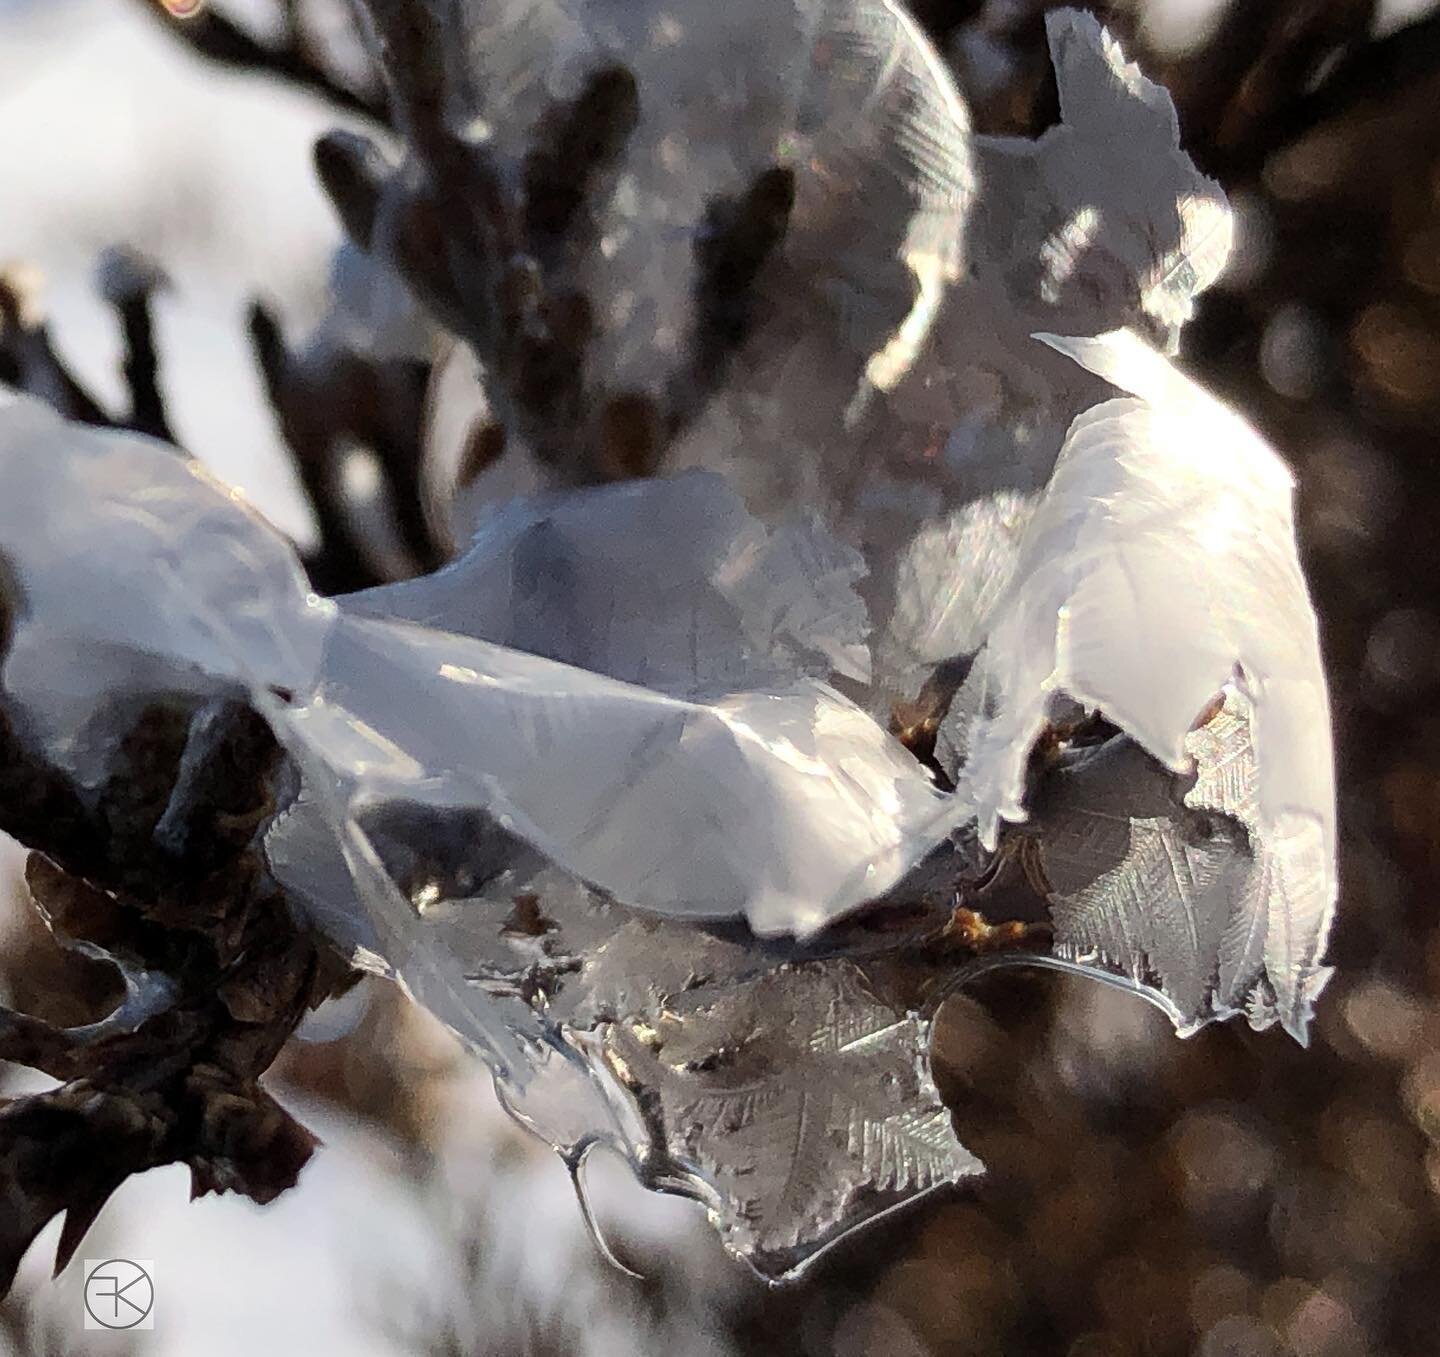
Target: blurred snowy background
x,y
1227,1197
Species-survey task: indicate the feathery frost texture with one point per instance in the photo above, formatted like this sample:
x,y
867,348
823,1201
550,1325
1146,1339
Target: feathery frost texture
x,y
673,797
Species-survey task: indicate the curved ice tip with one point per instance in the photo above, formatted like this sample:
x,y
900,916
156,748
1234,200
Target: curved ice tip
x,y
575,1166
1122,358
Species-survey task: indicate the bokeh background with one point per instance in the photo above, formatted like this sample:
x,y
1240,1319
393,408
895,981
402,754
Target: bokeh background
x,y
1226,1196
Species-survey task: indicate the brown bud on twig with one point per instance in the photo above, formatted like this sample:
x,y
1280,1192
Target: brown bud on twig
x,y
352,172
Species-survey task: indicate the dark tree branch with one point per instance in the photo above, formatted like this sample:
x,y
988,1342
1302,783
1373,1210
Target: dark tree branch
x,y
161,871
352,172
30,363
128,281
572,149
28,360
211,35
340,563
737,238
330,401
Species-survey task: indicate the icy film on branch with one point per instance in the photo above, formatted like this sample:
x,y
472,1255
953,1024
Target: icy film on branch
x,y
681,798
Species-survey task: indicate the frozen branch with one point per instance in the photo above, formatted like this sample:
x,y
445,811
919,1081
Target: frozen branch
x,y
497,255
158,874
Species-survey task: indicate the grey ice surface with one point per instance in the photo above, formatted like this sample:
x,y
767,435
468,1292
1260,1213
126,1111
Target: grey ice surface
x,y
1174,883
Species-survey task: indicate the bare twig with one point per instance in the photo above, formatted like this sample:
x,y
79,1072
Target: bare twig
x,y
352,172
340,563
28,359
128,281
331,401
736,239
30,362
211,35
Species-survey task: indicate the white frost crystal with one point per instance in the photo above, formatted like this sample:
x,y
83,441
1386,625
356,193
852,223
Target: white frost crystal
x,y
134,563
1160,567
600,791
784,804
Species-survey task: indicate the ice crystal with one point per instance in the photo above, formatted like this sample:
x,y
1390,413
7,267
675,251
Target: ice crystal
x,y
663,795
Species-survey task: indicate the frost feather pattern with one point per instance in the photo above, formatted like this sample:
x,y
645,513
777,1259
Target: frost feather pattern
x,y
1159,568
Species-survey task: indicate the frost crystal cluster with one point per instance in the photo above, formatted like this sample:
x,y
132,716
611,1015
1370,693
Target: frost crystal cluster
x,y
875,548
